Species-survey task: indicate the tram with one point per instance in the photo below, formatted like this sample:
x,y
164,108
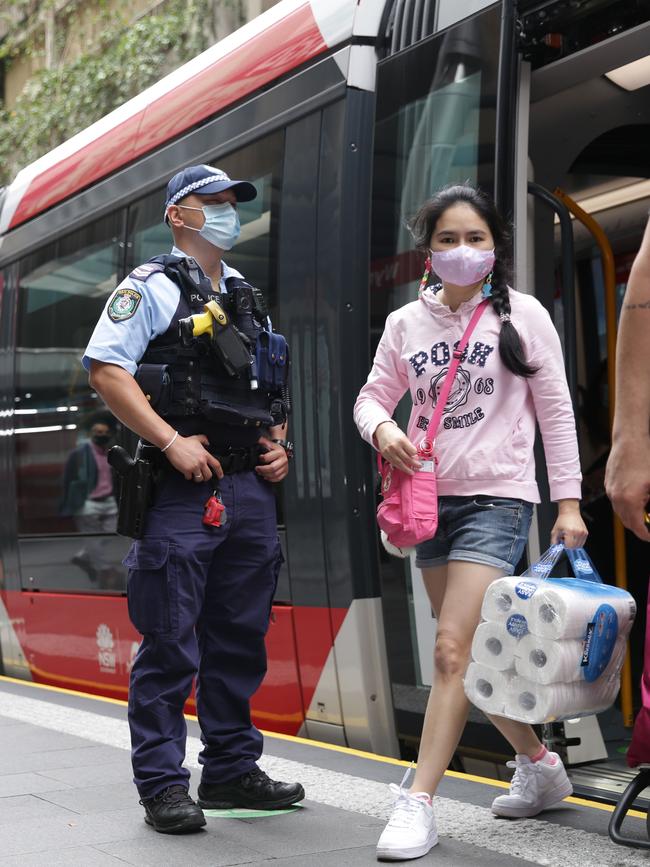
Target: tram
x,y
346,114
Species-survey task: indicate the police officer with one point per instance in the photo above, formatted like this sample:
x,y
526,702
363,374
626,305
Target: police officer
x,y
199,593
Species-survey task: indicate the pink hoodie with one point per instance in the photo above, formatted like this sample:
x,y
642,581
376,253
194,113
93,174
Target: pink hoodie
x,y
485,439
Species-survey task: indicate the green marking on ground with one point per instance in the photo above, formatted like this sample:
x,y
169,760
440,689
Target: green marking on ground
x,y
237,813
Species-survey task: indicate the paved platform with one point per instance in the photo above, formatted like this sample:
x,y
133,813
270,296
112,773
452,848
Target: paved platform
x,y
66,798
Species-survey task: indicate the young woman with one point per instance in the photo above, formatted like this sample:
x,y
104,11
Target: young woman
x,y
511,376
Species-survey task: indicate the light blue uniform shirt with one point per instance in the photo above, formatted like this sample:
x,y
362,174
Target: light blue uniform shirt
x,y
138,311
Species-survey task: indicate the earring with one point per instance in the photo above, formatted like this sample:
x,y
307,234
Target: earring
x,y
425,276
486,291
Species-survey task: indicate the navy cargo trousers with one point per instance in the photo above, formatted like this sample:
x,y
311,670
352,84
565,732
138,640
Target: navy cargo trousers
x,y
201,598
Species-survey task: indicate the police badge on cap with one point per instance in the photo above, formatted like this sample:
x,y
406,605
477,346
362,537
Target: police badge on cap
x,y
205,181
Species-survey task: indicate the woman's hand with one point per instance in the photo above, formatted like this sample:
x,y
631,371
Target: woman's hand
x,y
396,448
569,526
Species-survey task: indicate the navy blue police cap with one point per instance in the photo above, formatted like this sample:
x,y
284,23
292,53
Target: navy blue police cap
x,y
205,181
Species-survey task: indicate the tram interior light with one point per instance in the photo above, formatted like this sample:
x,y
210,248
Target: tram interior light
x,y
614,198
633,75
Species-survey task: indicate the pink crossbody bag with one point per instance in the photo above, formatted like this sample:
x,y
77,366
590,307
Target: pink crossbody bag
x,y
408,512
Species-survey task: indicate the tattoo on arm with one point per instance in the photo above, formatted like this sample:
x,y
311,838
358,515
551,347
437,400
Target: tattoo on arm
x,y
644,305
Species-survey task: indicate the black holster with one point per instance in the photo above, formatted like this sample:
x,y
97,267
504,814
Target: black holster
x,y
136,489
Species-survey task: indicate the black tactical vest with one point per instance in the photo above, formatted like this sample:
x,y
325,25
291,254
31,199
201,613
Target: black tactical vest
x,y
189,383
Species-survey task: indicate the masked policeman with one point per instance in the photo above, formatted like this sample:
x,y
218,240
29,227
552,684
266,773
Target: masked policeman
x,y
184,355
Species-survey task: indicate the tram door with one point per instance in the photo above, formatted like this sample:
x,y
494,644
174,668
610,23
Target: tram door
x,y
583,138
436,123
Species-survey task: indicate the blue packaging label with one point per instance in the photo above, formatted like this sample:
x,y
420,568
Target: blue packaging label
x,y
583,566
525,589
599,642
517,625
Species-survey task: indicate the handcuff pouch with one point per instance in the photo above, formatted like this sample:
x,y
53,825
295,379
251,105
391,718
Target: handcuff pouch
x,y
156,382
272,360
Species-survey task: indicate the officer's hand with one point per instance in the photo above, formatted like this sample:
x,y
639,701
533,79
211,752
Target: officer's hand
x,y
274,461
190,457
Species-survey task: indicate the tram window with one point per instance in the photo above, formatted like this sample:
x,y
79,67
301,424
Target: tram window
x,y
443,133
435,125
62,290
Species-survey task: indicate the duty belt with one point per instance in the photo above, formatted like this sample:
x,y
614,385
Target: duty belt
x,y
232,459
238,460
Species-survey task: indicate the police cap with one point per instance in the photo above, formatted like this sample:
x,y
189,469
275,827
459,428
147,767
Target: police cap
x,y
205,181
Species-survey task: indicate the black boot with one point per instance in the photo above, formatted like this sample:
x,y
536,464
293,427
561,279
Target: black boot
x,y
172,811
254,791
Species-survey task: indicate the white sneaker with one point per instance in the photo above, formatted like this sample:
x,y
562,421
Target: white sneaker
x,y
535,786
411,829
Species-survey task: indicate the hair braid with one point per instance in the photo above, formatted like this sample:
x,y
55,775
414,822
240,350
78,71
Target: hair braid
x,y
510,348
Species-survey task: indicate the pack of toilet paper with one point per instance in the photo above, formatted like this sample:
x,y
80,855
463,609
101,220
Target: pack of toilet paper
x,y
550,648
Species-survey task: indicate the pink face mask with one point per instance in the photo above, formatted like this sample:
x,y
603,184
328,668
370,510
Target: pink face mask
x,y
463,265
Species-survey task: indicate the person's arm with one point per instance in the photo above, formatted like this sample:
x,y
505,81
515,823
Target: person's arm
x,y
70,472
556,421
373,410
125,399
627,477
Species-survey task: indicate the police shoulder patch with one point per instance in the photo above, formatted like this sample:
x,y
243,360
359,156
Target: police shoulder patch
x,y
123,304
143,272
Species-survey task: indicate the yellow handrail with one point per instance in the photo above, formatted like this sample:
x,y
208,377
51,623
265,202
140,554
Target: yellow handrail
x,y
609,274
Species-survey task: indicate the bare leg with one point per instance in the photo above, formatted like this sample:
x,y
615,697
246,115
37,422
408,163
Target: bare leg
x,y
521,736
456,593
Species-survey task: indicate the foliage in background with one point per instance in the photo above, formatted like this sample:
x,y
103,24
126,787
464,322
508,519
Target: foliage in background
x,y
57,103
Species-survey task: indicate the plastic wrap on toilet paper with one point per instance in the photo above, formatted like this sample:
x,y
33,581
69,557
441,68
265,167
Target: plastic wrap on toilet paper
x,y
494,646
486,688
568,607
507,596
535,703
550,648
547,660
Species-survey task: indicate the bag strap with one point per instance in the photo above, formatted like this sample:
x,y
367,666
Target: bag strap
x,y
581,564
441,403
543,567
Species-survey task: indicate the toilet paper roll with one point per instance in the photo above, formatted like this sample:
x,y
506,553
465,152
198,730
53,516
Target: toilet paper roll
x,y
487,688
537,703
494,646
565,608
546,660
507,596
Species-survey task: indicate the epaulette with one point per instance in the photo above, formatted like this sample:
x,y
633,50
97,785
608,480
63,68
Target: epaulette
x,y
143,272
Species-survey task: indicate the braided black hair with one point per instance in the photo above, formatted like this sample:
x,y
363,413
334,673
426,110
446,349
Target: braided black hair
x,y
423,226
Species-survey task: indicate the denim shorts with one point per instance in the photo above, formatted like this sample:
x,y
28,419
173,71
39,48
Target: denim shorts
x,y
478,529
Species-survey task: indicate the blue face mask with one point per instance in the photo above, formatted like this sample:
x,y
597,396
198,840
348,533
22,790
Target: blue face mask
x,y
221,227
